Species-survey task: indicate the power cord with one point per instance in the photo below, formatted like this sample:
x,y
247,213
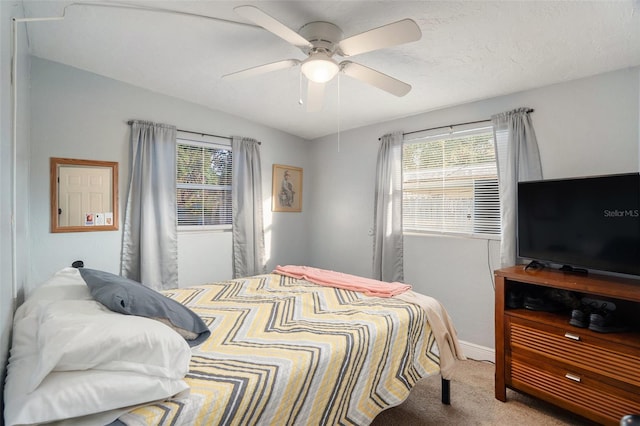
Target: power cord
x,y
491,276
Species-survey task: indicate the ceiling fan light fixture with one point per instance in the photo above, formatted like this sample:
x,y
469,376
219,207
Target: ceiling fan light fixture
x,y
319,67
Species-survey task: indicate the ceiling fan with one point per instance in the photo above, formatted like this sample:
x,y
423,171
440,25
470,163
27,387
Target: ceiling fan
x,y
321,41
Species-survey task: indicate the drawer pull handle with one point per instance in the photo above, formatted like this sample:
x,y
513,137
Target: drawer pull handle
x,y
571,336
573,377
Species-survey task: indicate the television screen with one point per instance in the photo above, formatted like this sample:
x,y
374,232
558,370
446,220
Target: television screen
x,y
588,223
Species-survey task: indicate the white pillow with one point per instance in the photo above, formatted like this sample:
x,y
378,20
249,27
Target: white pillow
x,y
66,284
83,334
72,394
118,360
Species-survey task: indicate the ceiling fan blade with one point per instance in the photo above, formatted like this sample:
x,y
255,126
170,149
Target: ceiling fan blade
x,y
375,78
272,25
315,96
261,69
393,34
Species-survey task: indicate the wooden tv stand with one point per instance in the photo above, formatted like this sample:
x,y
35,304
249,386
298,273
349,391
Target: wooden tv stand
x,y
595,375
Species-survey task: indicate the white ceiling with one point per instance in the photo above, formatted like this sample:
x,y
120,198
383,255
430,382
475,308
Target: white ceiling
x,y
469,51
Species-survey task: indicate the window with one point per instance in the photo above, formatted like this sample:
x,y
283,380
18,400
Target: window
x,y
450,184
203,185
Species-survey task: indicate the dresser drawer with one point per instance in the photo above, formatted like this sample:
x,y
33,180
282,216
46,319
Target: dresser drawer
x,y
590,398
577,348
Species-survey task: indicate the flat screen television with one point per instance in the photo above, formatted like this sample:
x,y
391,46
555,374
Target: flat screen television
x,y
590,223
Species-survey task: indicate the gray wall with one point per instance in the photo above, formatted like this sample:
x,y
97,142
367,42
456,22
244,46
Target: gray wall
x,y
78,114
584,127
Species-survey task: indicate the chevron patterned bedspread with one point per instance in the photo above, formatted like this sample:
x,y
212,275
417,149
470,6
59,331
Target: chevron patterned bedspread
x,y
287,351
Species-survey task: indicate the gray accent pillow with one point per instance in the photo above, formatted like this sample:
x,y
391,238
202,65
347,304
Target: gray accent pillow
x,y
129,297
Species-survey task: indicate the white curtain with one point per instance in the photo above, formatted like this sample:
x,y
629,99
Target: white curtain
x,y
387,217
518,160
248,230
149,242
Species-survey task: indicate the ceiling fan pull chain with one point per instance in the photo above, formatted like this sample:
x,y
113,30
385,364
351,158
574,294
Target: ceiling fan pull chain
x,y
300,88
339,104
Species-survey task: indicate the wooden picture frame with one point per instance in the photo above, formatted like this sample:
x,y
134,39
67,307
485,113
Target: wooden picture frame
x,y
76,188
286,193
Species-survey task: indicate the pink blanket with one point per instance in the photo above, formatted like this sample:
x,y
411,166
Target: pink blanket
x,y
368,286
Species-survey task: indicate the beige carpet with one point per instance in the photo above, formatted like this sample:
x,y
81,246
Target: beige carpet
x,y
472,403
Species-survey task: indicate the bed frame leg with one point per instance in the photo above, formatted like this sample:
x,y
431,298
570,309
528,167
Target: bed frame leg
x,y
446,391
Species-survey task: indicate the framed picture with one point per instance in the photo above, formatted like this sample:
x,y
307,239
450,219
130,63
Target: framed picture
x,y
286,195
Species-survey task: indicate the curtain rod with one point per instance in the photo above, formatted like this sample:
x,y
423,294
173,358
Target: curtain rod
x,y
446,127
203,134
443,127
450,125
130,122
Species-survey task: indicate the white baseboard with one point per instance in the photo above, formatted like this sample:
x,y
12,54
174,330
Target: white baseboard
x,y
477,352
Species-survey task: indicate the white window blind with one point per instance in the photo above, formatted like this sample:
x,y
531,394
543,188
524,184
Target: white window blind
x,y
203,185
450,184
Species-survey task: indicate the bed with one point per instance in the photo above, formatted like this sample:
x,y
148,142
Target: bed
x,y
276,350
